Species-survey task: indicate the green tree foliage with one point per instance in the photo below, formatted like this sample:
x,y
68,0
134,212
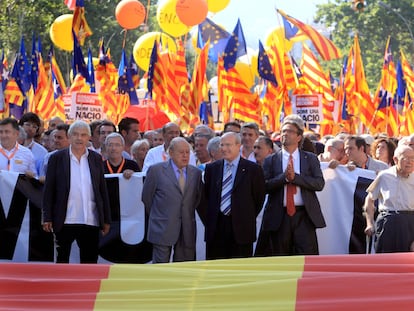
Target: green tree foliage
x,y
373,26
23,18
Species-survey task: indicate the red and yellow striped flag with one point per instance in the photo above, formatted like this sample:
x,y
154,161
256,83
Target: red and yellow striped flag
x,y
358,94
79,24
325,47
288,283
198,80
12,93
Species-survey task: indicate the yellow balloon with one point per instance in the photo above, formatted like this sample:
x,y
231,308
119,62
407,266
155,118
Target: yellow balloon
x,y
277,37
143,47
168,20
217,5
61,32
246,73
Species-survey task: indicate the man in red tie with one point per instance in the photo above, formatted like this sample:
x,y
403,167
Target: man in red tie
x,y
292,212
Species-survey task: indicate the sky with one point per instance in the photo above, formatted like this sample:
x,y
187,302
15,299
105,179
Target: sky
x,y
259,17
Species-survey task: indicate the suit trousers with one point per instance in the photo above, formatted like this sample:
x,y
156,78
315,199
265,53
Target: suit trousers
x,y
224,245
87,238
162,253
296,236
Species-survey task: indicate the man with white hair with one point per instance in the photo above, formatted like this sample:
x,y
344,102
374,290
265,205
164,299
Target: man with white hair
x,y
75,201
171,193
407,140
393,187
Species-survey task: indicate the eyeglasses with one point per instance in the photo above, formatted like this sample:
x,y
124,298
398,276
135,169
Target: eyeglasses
x,y
32,125
289,131
340,150
115,145
227,145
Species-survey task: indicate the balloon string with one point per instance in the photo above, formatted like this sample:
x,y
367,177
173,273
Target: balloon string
x,y
148,9
124,41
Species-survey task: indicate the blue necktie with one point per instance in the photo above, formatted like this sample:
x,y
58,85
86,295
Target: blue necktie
x,y
225,206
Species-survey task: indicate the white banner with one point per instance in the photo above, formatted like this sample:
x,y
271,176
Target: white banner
x,y
341,201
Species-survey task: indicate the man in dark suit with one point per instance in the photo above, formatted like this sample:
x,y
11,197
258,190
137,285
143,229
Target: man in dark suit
x,y
171,193
235,190
292,212
75,199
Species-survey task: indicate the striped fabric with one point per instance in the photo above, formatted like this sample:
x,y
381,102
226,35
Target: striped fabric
x,y
357,92
325,47
311,283
227,187
79,24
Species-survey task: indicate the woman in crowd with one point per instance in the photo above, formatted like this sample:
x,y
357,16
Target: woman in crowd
x,y
383,149
139,150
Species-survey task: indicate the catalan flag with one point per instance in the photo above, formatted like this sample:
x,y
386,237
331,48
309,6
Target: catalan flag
x,y
79,24
386,116
198,80
59,84
235,96
180,68
44,101
358,95
325,47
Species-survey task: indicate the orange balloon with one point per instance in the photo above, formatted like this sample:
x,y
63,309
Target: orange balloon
x,y
191,12
130,13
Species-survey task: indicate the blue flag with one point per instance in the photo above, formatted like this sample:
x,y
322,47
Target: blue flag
x,y
91,72
236,47
290,30
125,84
264,68
78,62
218,37
34,73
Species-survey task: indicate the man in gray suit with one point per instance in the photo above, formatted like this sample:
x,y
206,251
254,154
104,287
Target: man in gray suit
x,y
171,193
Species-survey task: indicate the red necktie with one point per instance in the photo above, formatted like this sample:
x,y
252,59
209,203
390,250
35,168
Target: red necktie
x,y
290,193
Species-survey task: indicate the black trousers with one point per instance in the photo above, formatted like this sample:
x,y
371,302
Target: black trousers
x,y
224,245
87,238
295,236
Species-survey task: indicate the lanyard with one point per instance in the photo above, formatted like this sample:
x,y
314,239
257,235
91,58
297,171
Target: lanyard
x,y
119,170
9,157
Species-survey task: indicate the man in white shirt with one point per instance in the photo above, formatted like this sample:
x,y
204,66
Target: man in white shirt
x,y
249,133
394,226
160,153
14,157
31,124
75,201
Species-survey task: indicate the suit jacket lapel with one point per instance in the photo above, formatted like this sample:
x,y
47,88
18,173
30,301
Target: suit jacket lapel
x,y
240,172
66,169
94,172
169,171
303,162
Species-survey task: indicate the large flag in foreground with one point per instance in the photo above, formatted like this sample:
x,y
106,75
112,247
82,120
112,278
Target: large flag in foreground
x,y
312,283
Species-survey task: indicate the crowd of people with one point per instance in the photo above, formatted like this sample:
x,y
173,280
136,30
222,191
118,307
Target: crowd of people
x,y
227,178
